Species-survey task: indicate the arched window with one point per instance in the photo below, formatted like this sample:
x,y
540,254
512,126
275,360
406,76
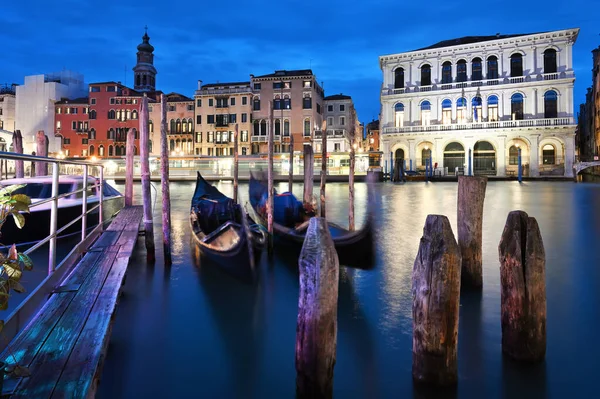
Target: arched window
x,y
516,65
91,150
516,106
256,104
550,104
307,127
461,71
111,114
277,102
123,150
190,125
477,71
172,130
447,111
425,113
110,150
277,127
117,151
128,113
550,61
184,126
461,110
134,114
476,105
178,143
93,114
263,127
399,114
144,80
111,134
92,134
137,80
492,108
426,75
178,126
548,154
399,78
256,131
101,150
171,145
446,72
286,102
513,155
286,127
425,155
492,67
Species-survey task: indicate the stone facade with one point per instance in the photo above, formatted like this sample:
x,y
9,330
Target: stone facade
x,y
588,126
472,103
339,117
7,108
180,125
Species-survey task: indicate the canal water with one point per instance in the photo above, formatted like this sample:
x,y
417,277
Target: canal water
x,y
194,332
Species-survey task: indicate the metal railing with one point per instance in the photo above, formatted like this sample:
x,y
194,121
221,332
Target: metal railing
x,y
432,127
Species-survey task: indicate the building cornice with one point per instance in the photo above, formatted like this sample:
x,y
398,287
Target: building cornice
x,y
570,35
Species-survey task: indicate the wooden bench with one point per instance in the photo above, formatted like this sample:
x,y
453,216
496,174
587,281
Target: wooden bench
x,y
65,342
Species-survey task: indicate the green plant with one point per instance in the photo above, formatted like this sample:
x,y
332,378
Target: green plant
x,y
13,263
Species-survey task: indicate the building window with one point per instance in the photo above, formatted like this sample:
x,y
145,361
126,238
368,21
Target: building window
x,y
426,75
461,110
548,154
256,128
110,150
172,126
399,78
190,107
550,61
58,110
492,104
198,137
516,106
256,86
336,147
244,100
95,89
306,83
210,119
244,138
287,104
447,112
92,134
210,102
210,138
112,101
263,128
232,102
330,121
74,125
190,124
286,127
172,108
342,121
277,103
342,108
198,119
84,141
278,85
399,114
307,127
91,150
516,65
110,135
66,141
446,72
461,71
476,104
550,104
134,114
492,67
425,113
306,103
199,102
244,118
277,127
513,155
477,73
425,155
58,124
330,108
256,104
92,114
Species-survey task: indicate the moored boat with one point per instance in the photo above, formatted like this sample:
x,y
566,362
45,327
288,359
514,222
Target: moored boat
x,y
223,232
290,223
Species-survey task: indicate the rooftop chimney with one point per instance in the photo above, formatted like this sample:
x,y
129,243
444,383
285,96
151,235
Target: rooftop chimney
x,y
199,84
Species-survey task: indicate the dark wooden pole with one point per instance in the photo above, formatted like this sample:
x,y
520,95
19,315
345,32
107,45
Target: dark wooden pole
x,y
164,178
129,154
270,180
145,171
41,168
523,280
316,331
436,299
323,166
235,163
351,139
291,171
471,193
309,163
18,148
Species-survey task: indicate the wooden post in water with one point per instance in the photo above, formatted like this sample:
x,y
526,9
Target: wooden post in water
x,y
309,163
41,168
235,163
164,178
17,139
523,296
145,172
471,193
270,180
351,171
316,331
129,154
323,165
436,298
291,171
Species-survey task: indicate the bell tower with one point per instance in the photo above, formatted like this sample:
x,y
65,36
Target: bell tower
x,y
144,71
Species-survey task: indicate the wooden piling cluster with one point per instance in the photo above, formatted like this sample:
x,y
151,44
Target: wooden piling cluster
x,y
270,180
17,140
235,163
164,178
145,171
316,331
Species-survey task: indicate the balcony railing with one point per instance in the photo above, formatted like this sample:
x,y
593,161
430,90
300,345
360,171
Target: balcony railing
x,y
481,125
212,92
264,138
550,76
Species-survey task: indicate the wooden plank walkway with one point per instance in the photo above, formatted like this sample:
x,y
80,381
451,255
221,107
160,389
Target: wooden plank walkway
x,y
65,343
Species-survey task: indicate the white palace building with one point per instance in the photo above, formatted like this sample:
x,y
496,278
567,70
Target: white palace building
x,y
483,97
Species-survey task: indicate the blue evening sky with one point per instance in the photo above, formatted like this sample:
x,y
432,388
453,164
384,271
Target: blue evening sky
x,y
228,40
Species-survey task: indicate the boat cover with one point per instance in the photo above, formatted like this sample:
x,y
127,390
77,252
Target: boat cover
x,y
212,208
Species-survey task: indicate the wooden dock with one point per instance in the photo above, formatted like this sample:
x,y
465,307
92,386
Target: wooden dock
x,y
64,344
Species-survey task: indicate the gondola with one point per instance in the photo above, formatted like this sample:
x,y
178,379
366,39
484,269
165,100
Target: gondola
x,y
290,223
223,232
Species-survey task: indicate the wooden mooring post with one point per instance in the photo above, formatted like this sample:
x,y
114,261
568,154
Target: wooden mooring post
x,y
145,172
436,298
235,163
316,331
291,171
164,178
17,140
41,140
523,295
323,165
270,180
129,154
309,163
471,194
351,188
